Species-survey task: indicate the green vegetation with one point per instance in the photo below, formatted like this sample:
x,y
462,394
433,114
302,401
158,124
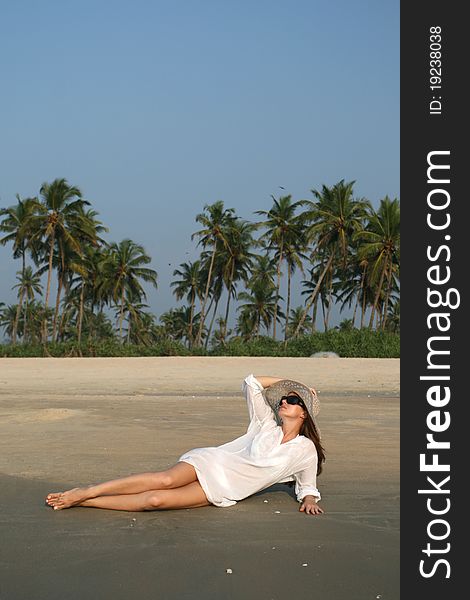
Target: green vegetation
x,y
348,252
357,343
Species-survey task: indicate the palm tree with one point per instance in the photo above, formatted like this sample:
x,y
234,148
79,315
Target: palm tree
x,y
367,296
282,226
72,262
86,269
88,261
263,270
346,325
335,217
295,315
66,261
220,335
57,220
309,286
238,259
94,285
176,322
143,330
261,304
381,246
16,225
215,221
189,284
8,318
133,313
294,257
70,309
361,293
29,284
121,272
97,326
172,323
85,265
393,316
392,293
33,318
217,286
246,323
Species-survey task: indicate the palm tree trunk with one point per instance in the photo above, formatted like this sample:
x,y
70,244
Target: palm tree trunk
x,y
229,287
314,315
191,317
17,317
356,303
23,253
379,315
80,313
121,317
23,268
330,294
277,288
289,275
363,308
57,304
62,323
206,295
377,296
322,302
25,319
358,296
212,321
314,294
387,295
91,327
48,289
129,329
210,306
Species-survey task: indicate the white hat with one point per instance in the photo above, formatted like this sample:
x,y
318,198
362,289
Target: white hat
x,y
274,393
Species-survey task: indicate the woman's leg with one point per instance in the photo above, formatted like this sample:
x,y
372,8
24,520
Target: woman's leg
x,y
179,475
187,496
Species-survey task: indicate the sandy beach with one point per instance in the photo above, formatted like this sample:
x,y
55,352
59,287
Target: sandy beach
x,y
68,422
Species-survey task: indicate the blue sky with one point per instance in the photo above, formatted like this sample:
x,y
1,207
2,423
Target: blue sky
x,y
154,109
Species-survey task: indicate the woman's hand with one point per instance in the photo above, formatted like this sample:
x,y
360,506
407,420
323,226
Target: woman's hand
x,y
310,507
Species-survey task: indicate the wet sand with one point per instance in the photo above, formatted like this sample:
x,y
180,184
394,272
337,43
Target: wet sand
x,y
66,422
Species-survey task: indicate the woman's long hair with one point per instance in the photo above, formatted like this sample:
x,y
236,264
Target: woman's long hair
x,y
310,431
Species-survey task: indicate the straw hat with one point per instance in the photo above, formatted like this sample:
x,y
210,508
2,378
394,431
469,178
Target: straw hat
x,y
274,393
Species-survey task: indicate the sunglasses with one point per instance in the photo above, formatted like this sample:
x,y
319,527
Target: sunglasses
x,y
292,400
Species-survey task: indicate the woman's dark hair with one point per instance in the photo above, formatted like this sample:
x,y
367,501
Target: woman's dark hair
x,y
310,431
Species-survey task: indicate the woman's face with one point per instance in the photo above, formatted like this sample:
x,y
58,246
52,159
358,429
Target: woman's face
x,y
294,411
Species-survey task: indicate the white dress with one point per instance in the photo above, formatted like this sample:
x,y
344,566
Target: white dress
x,y
257,459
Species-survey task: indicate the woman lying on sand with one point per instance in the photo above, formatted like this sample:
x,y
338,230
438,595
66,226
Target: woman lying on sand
x,y
267,454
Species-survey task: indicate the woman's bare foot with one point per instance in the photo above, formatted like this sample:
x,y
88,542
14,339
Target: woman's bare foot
x,y
61,500
52,496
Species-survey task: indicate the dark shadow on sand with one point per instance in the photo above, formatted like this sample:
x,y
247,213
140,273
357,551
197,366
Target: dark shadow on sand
x,y
184,554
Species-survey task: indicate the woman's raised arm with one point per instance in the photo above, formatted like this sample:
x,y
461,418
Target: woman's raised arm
x,y
267,380
260,412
